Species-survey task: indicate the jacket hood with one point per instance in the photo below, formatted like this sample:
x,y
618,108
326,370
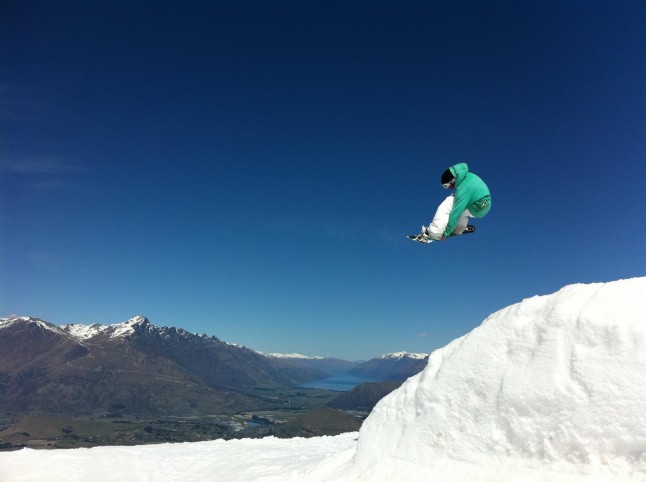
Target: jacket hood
x,y
460,172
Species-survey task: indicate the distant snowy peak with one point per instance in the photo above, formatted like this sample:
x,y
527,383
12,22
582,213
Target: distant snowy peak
x,y
402,354
86,332
135,326
392,366
13,319
80,332
18,319
7,322
292,355
128,327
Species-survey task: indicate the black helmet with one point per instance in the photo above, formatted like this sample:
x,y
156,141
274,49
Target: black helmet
x,y
447,178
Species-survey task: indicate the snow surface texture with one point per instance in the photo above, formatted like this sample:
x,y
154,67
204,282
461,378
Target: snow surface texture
x,y
247,460
550,389
552,383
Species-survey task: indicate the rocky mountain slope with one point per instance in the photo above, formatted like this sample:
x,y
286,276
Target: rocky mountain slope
x,y
132,367
364,397
392,366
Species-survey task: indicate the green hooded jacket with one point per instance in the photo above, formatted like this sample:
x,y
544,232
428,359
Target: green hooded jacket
x,y
470,193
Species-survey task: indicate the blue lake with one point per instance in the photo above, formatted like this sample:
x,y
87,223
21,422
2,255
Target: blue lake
x,y
339,383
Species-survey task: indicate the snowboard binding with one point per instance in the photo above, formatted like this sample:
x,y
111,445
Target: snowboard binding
x,y
425,238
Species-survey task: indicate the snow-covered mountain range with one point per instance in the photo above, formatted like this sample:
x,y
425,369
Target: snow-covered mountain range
x,y
400,355
85,332
134,365
296,356
82,332
388,366
137,367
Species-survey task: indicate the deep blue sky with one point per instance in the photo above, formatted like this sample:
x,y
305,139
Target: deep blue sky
x,y
249,169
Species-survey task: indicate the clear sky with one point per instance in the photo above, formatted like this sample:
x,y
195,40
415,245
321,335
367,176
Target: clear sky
x,y
249,169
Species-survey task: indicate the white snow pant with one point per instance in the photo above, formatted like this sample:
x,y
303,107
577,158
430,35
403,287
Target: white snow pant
x,y
441,219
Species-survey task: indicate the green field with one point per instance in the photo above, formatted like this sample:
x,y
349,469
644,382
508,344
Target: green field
x,y
62,430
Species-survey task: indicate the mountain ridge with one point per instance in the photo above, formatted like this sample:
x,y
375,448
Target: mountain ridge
x,y
134,367
392,366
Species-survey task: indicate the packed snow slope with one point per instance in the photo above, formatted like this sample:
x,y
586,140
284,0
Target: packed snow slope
x,y
555,382
550,389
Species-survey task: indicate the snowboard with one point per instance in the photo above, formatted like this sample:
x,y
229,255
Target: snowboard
x,y
422,238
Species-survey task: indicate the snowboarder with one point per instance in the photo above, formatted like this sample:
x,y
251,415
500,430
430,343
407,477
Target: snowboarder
x,y
470,200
